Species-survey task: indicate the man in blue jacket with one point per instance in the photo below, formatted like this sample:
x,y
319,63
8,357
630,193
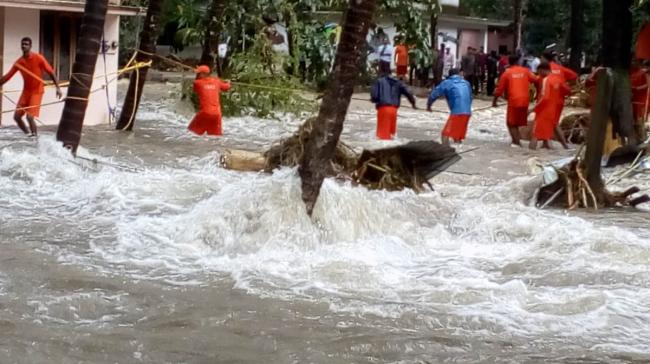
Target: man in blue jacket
x,y
458,93
386,93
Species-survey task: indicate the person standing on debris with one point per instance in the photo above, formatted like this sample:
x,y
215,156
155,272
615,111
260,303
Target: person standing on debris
x,y
31,66
386,94
208,89
549,107
401,59
385,55
515,82
458,93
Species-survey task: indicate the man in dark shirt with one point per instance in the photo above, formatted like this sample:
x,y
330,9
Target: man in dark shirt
x,y
468,66
386,93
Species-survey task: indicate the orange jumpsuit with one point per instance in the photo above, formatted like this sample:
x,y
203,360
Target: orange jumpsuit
x,y
208,119
567,73
549,108
31,67
401,60
515,82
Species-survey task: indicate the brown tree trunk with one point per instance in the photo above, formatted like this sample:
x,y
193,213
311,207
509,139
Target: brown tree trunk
x,y
322,141
83,70
575,37
433,26
518,7
148,37
613,100
213,24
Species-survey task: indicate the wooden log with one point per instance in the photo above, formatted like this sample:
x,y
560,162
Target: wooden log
x,y
243,160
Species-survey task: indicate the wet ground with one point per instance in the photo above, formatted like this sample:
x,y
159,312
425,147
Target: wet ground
x,y
154,254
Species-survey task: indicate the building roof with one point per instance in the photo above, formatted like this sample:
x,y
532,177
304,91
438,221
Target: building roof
x,y
470,20
69,5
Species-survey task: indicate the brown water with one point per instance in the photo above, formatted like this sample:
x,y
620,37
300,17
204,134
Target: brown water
x,y
156,255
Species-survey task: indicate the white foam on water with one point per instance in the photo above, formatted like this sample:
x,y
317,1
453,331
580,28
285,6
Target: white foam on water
x,y
480,258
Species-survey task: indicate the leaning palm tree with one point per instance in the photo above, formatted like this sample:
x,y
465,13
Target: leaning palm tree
x,y
326,129
88,45
148,37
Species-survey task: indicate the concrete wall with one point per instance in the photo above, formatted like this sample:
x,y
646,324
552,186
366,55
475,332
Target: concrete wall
x,y
465,36
497,38
19,23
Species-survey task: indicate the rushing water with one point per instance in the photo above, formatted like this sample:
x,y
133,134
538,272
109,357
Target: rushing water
x,y
157,255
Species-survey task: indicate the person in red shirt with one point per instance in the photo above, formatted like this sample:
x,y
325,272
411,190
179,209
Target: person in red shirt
x,y
31,66
208,119
548,108
515,82
401,59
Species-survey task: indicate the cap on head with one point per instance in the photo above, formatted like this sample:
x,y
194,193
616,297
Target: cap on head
x,y
202,69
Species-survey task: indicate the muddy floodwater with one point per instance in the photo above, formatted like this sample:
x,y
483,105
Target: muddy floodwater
x,y
155,254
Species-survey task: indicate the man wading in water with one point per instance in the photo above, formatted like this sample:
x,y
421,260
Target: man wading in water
x,y
31,66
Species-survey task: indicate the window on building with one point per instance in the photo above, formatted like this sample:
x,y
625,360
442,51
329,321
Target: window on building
x,y
58,40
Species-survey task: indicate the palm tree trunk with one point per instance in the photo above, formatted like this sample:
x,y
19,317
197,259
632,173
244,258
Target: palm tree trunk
x,y
324,137
576,36
613,100
83,70
433,27
213,24
148,37
518,7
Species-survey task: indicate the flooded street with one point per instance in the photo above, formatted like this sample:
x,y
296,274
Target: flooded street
x,y
155,254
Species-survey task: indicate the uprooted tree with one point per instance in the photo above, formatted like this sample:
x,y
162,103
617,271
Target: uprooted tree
x,y
581,182
323,138
315,147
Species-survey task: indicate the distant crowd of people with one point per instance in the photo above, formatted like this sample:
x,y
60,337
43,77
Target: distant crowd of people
x,y
517,78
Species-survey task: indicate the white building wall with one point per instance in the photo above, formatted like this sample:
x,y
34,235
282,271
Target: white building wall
x,y
19,23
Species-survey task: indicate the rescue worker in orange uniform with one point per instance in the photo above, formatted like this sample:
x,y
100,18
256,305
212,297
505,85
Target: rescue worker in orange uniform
x,y
208,119
31,66
401,59
567,74
386,94
515,83
458,93
549,107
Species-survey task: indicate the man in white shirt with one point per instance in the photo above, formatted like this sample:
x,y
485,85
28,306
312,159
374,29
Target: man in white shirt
x,y
385,55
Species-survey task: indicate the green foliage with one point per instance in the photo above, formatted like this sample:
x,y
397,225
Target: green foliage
x,y
412,20
260,87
